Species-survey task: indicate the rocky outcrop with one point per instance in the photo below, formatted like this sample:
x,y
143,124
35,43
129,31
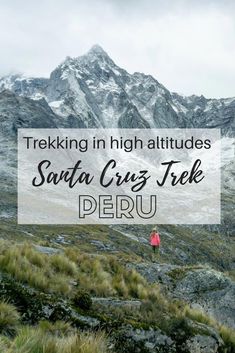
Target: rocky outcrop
x,y
210,290
35,306
130,340
202,344
203,288
112,302
180,336
182,339
21,112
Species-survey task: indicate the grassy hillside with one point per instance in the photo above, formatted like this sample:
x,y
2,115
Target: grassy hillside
x,y
71,282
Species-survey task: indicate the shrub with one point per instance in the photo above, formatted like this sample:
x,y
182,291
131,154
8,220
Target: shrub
x,y
83,300
180,329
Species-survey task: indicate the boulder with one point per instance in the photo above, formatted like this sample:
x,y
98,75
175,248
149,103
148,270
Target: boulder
x,y
202,344
131,340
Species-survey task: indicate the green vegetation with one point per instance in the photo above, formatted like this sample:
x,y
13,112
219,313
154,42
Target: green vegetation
x,y
27,265
72,277
198,243
9,318
199,316
83,300
100,276
180,272
57,338
228,336
172,317
107,277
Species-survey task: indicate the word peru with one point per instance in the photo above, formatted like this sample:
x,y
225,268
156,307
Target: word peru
x,y
116,176
123,207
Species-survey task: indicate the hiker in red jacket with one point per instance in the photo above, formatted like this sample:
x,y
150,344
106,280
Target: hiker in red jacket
x,y
155,240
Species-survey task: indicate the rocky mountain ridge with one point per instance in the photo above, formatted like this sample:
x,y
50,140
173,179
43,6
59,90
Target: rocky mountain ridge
x,y
92,91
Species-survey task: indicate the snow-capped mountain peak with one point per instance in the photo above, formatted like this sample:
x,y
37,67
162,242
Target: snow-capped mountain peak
x,y
92,91
96,49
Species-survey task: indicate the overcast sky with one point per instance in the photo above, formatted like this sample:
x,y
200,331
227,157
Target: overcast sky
x,y
187,45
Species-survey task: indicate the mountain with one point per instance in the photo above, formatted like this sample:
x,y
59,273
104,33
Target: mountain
x,y
92,91
23,112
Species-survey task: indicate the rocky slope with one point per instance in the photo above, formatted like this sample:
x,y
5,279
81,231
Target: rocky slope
x,y
202,287
146,314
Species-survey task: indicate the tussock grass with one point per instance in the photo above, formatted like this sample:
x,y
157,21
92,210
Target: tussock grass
x,y
171,317
100,276
4,344
41,271
9,318
57,338
227,334
62,264
105,276
58,328
199,316
153,311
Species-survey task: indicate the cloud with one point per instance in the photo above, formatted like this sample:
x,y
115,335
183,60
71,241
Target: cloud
x,y
186,45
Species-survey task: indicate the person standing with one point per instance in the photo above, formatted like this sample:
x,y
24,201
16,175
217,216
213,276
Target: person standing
x,y
155,240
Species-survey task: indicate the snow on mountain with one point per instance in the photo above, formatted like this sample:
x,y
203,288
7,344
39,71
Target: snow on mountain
x,y
92,91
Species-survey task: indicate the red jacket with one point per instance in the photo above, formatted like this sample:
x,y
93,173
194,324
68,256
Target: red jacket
x,y
155,239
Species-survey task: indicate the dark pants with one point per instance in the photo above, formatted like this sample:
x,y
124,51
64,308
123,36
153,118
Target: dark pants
x,y
155,247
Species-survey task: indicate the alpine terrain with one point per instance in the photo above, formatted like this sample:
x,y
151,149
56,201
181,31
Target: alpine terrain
x,y
98,287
